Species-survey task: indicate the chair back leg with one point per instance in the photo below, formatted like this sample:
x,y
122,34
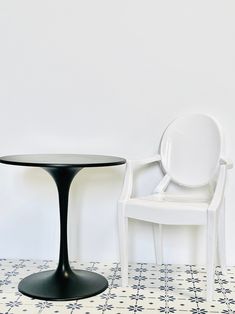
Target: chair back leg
x,y
221,238
157,236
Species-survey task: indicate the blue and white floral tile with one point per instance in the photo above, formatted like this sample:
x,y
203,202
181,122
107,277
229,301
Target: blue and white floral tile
x,y
152,289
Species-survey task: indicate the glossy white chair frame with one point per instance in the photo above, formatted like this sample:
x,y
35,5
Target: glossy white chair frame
x,y
214,220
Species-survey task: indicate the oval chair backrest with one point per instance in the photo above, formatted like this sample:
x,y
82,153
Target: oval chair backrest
x,y
190,150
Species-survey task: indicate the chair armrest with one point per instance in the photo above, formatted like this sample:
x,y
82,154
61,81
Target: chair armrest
x,y
226,161
128,180
219,189
128,183
145,161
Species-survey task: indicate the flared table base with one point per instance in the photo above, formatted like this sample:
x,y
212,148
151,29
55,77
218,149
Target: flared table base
x,y
50,285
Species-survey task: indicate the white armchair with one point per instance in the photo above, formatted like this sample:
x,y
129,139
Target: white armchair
x,y
190,156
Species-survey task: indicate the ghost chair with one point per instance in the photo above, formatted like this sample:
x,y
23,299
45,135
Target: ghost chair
x,y
191,156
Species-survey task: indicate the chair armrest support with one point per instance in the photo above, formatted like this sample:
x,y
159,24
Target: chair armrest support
x,y
128,183
226,161
219,190
128,180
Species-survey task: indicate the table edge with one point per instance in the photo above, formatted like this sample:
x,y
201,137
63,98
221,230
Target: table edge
x,y
122,161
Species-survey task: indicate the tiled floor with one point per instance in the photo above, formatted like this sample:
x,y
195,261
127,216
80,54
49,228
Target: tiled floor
x,y
153,289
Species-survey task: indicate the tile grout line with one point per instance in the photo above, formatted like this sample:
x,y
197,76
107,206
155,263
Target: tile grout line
x,y
223,290
43,304
75,303
194,287
138,288
167,289
166,286
110,287
16,302
15,268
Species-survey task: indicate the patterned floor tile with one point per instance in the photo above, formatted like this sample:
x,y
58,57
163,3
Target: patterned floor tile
x,y
152,289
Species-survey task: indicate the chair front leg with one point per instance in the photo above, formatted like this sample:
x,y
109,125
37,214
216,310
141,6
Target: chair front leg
x,y
221,238
211,252
123,245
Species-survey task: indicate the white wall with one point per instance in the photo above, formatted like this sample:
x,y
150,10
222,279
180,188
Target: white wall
x,y
105,77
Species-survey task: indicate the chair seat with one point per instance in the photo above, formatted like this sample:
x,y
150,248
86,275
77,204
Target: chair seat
x,y
182,198
162,209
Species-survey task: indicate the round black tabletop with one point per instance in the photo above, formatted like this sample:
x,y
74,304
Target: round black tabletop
x,y
62,160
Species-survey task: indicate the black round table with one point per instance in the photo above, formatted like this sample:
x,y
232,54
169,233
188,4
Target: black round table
x,y
63,283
